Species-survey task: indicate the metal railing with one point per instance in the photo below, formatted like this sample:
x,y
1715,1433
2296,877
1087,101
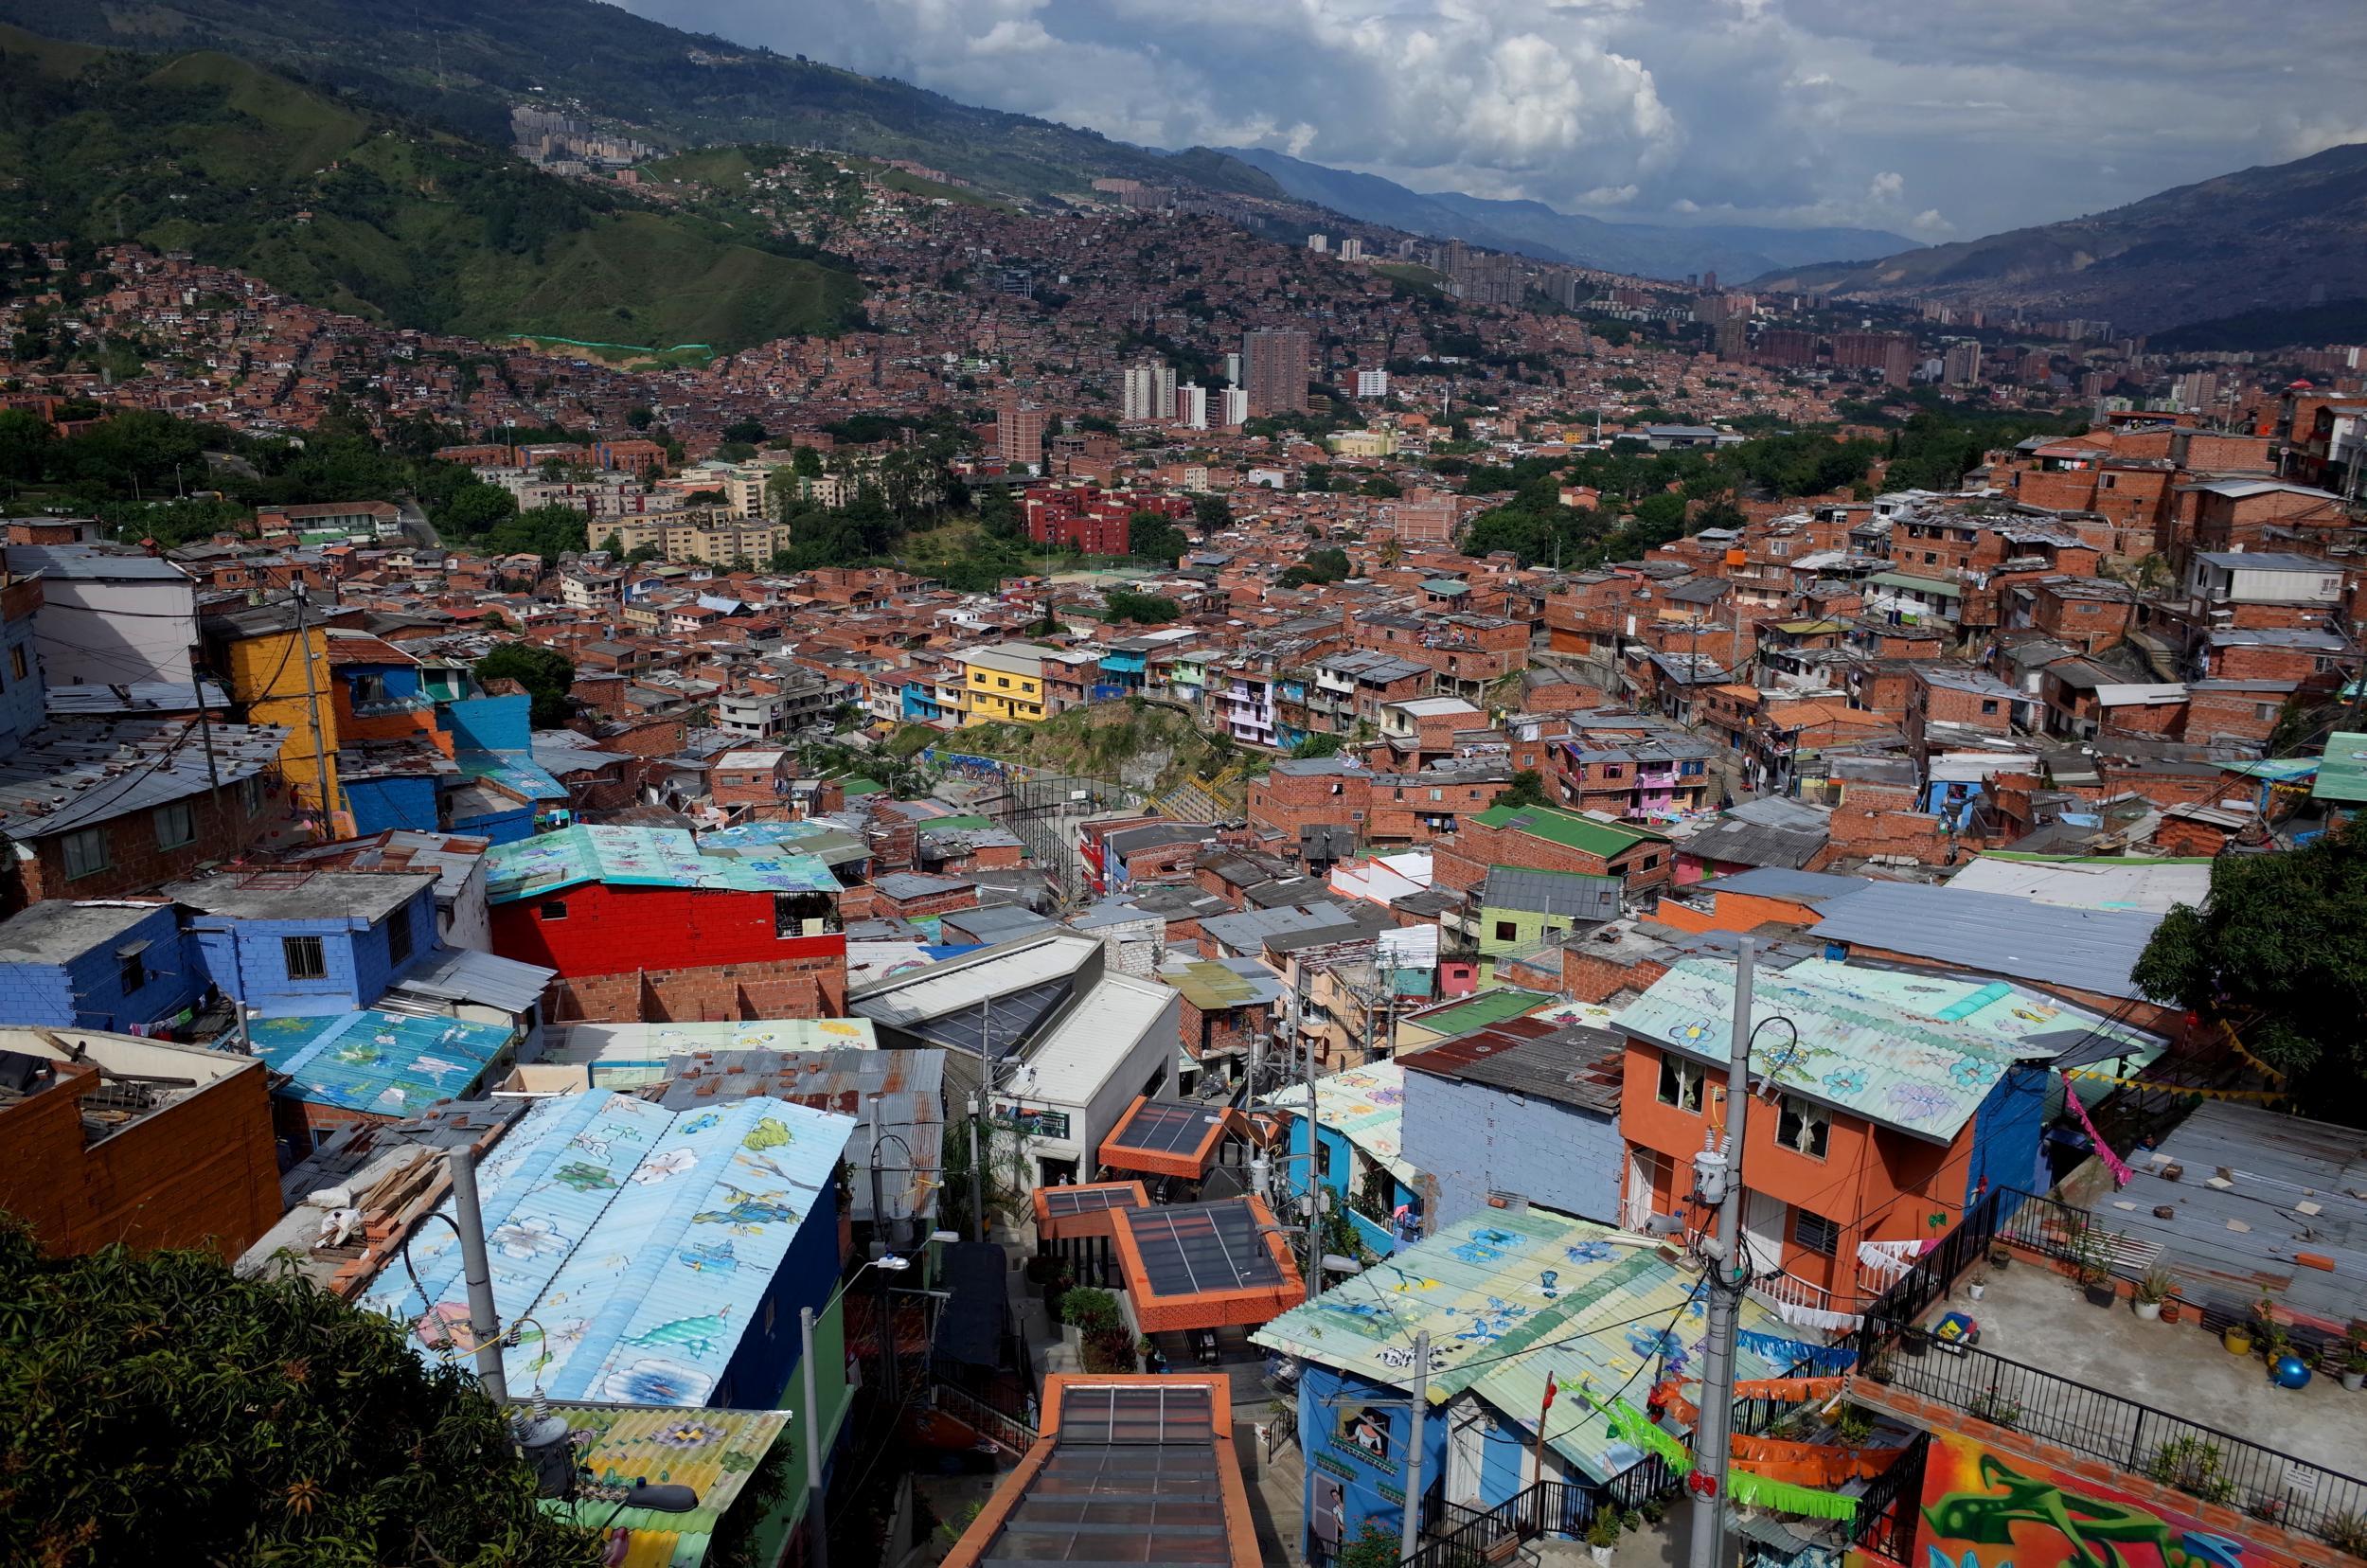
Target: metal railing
x,y
1004,1431
1887,1507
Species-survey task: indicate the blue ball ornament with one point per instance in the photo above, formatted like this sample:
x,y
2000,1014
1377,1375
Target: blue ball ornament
x,y
2289,1372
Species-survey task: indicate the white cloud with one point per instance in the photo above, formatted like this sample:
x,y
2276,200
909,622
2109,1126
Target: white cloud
x,y
1823,111
1929,224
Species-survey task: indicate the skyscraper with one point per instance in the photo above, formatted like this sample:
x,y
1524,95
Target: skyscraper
x,y
1274,371
1733,336
1962,365
1150,391
1234,404
1191,407
1018,429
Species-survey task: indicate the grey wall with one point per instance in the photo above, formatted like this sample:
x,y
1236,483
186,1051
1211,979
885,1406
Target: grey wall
x,y
1473,1139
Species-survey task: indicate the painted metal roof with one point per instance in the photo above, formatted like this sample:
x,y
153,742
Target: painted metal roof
x,y
2091,950
639,1240
381,1064
2098,883
1492,1005
2342,769
68,775
464,974
643,857
1365,1105
1571,894
1914,1052
1217,983
1508,1298
713,1452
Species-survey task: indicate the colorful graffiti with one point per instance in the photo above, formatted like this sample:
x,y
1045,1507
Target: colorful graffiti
x,y
1983,1509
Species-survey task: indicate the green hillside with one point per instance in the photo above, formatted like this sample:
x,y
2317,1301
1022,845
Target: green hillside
x,y
463,63
365,213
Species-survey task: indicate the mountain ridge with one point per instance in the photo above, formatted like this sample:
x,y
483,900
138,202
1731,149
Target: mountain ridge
x,y
1735,251
2274,237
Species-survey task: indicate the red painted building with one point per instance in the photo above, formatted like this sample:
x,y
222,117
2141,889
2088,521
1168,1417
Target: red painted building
x,y
1088,518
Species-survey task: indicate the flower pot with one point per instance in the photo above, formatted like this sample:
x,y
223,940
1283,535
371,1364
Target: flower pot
x,y
2000,1257
1914,1345
2148,1311
2355,1380
1976,1290
2238,1342
2103,1295
1599,1556
2171,1309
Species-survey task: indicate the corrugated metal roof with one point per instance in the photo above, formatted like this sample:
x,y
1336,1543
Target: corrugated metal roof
x,y
1104,1025
69,775
1916,1052
1365,1105
638,1239
1573,895
381,1064
643,857
899,1093
2102,882
1509,1298
713,1452
2089,950
463,974
1219,983
1571,1065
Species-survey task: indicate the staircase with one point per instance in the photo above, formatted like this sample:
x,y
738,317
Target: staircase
x,y
1216,799
1008,1433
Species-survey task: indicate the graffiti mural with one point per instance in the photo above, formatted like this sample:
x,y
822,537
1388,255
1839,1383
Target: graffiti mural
x,y
1986,1508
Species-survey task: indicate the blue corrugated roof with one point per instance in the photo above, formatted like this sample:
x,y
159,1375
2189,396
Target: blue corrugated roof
x,y
639,1240
387,1064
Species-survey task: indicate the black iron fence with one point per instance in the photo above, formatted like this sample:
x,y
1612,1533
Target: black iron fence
x,y
1886,1509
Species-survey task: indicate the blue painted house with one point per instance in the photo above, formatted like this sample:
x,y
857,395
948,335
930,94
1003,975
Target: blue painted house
x,y
97,966
1356,1155
291,943
1525,1109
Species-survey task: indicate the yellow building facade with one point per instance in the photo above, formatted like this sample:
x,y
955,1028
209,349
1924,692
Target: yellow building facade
x,y
266,674
1003,682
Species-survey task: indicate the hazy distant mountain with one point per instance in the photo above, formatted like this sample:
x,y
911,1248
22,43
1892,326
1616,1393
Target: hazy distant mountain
x,y
2264,239
1733,251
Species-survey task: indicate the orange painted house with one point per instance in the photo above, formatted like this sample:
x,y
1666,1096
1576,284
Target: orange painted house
x,y
1882,1104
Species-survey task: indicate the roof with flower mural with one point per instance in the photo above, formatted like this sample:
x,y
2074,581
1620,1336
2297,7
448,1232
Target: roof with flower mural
x,y
1366,1105
711,1452
1510,1298
645,857
1917,1053
381,1064
640,1242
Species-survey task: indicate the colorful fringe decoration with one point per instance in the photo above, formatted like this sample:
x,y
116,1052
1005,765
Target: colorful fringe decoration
x,y
1788,1390
1790,1352
1640,1431
1782,1497
1809,1464
2121,1173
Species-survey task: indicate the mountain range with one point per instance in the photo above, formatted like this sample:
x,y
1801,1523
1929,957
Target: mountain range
x,y
1735,252
2273,239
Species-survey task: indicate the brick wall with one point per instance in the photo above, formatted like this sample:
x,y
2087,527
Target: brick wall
x,y
812,986
1597,978
225,829
1461,860
1880,820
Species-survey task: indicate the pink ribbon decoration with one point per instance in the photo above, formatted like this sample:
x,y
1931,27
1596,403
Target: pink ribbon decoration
x,y
2121,1173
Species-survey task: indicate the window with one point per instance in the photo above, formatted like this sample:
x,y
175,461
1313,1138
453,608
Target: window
x,y
1803,1127
399,938
1613,770
133,973
1323,1158
369,688
1438,795
1679,1083
551,909
305,959
86,852
2264,712
1650,860
251,795
1815,1233
175,825
16,661
1507,931
1988,704
1003,681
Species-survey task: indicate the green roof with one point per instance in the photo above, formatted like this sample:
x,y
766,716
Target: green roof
x,y
854,787
954,824
1569,830
2342,772
1918,585
1480,1009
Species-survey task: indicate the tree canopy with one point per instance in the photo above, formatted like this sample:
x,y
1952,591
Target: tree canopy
x,y
2279,949
547,674
160,1409
1142,608
1154,537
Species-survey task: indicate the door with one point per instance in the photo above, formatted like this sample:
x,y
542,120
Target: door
x,y
1763,1231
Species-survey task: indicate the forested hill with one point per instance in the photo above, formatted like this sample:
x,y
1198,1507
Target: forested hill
x,y
363,212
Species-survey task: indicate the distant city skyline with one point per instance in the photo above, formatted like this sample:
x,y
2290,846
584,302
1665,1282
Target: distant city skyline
x,y
1945,120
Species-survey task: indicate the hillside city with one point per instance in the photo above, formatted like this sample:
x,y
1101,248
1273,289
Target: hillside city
x,y
1104,917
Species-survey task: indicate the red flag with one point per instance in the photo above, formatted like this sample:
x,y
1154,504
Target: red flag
x,y
1549,1393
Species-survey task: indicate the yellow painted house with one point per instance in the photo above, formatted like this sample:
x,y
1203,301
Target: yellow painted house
x,y
1003,681
266,674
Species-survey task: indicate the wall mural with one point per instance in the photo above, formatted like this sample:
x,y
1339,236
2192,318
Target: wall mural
x,y
1984,1508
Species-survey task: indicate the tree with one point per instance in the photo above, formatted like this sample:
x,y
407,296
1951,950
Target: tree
x,y
1382,487
805,462
1527,788
1214,513
2279,949
547,674
1154,537
614,544
1318,745
25,440
640,419
1142,608
748,431
161,1409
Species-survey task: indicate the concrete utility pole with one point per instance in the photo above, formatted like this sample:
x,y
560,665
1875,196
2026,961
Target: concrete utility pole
x,y
1314,1186
312,702
485,1326
817,1526
1413,1446
1718,1179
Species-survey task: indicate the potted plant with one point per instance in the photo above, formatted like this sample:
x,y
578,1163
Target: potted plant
x,y
1877,1366
2152,1292
2195,1466
2091,1265
1601,1536
2353,1363
2000,1255
1996,1408
1978,1288
2268,1336
1853,1426
2348,1532
2172,1308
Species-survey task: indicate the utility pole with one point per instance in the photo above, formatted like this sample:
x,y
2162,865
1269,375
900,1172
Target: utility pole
x,y
1413,1446
312,702
978,1103
1718,1179
485,1329
1314,1186
817,1526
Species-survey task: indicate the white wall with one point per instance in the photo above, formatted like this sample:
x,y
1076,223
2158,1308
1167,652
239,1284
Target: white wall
x,y
110,633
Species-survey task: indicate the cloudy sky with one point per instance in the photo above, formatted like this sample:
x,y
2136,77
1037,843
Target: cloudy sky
x,y
1936,119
